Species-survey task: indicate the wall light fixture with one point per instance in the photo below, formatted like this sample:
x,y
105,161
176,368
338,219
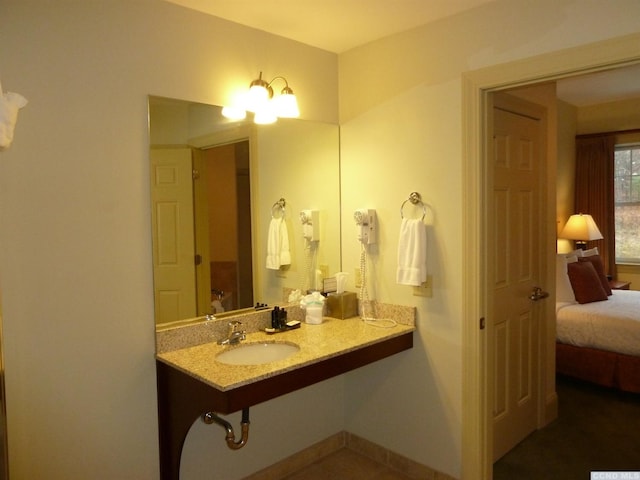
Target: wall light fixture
x,y
265,107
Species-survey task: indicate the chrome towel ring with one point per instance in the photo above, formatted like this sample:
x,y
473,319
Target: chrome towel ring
x,y
278,207
414,199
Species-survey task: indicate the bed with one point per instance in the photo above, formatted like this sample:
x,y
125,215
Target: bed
x,y
597,328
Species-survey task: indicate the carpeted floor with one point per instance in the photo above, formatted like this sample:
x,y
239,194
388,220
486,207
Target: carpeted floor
x,y
597,429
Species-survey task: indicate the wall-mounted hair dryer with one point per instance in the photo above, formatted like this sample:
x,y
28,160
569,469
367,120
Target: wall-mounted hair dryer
x,y
310,225
365,219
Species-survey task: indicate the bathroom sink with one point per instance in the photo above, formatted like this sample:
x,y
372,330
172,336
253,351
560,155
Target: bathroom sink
x,y
257,353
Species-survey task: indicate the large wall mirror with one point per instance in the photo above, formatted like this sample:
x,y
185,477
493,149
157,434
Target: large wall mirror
x,y
216,185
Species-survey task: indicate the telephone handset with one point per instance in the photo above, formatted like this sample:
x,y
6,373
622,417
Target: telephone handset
x,y
365,219
310,220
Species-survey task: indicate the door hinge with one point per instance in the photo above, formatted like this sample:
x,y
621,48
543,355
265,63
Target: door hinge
x,y
198,259
195,174
482,323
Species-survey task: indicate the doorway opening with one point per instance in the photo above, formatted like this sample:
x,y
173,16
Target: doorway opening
x,y
477,435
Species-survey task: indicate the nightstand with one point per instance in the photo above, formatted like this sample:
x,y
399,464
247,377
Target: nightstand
x,y
618,285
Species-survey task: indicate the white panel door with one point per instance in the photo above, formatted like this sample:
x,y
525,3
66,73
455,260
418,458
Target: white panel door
x,y
515,216
173,233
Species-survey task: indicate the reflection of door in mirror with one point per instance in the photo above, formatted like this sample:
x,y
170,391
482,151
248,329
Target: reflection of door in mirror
x,y
172,223
201,219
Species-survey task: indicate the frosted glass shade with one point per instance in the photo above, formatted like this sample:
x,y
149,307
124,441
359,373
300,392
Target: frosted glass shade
x,y
265,116
257,98
286,105
234,113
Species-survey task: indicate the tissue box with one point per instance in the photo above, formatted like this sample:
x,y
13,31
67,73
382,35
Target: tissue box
x,y
342,305
329,285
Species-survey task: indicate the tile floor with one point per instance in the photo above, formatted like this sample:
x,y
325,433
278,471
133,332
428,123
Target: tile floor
x,y
345,464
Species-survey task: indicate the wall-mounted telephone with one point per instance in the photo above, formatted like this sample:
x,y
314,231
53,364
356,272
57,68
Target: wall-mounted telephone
x,y
366,225
310,225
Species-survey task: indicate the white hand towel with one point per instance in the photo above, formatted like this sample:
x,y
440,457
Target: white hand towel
x,y
10,103
412,252
285,254
278,244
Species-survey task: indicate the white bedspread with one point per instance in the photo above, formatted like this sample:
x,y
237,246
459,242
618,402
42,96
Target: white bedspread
x,y
612,325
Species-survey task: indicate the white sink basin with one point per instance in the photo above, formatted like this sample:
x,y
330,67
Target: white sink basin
x,y
257,353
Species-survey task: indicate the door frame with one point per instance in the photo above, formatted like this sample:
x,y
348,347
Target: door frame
x,y
476,86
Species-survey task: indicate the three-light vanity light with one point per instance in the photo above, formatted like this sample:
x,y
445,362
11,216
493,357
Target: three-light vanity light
x,y
260,101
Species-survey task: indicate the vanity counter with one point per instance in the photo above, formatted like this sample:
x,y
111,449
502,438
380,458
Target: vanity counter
x,y
318,343
191,382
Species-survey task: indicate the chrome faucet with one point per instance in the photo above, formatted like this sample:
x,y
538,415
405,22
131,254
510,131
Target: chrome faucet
x,y
234,336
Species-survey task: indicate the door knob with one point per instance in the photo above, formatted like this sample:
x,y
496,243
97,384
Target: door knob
x,y
538,294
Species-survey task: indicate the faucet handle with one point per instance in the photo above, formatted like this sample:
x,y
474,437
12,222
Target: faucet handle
x,y
234,325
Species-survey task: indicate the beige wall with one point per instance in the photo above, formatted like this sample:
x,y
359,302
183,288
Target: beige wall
x,y
609,117
565,191
75,256
401,128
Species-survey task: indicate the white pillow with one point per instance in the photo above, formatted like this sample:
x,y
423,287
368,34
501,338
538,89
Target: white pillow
x,y
591,252
571,259
564,290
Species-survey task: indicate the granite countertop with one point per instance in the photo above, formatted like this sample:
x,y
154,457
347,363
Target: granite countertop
x,y
329,339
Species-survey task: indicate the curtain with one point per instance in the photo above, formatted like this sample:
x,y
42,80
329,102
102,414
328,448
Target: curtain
x,y
594,192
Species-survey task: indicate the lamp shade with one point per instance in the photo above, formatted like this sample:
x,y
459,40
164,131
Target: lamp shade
x,y
581,227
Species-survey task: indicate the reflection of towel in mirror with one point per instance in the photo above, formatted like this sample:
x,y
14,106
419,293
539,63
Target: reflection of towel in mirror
x,y
412,252
278,244
10,103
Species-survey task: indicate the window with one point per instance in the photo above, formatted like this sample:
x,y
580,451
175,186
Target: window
x,y
627,203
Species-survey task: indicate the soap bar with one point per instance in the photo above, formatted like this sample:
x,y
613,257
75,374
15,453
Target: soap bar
x,y
342,305
288,326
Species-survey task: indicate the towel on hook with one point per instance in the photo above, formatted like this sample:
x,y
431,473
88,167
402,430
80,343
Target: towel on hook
x,y
10,103
412,252
278,244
